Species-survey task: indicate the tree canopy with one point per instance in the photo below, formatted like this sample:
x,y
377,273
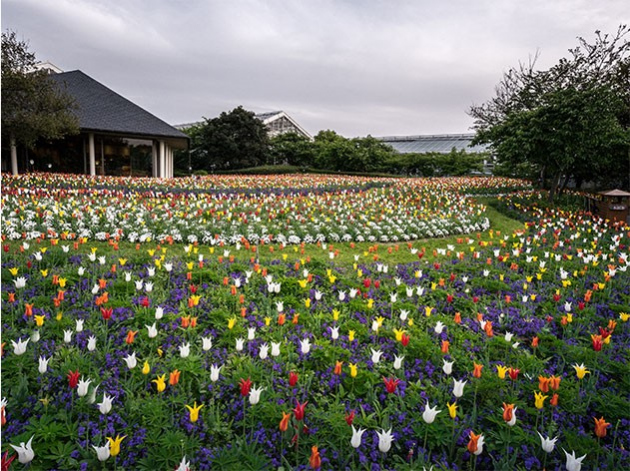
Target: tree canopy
x,y
571,121
233,140
33,107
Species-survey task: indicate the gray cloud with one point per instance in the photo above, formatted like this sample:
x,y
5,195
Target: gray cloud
x,y
359,67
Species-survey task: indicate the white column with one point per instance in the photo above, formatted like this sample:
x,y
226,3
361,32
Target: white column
x,y
14,165
162,158
170,162
92,154
154,159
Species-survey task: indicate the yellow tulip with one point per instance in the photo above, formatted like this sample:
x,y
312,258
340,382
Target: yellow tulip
x,y
59,316
39,320
580,370
427,311
231,323
307,302
452,409
267,321
370,303
501,370
624,316
351,335
335,314
44,273
303,283
540,399
62,282
14,271
353,370
122,261
146,369
194,411
160,383
189,265
114,444
398,333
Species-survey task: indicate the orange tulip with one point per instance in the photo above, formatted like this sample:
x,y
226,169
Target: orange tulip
x,y
185,321
508,410
28,311
445,345
281,318
458,318
131,335
338,366
284,423
315,460
554,382
543,383
600,427
102,283
488,329
554,400
477,370
535,342
472,444
173,378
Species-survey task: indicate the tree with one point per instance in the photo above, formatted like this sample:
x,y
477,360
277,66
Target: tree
x,y
233,140
292,148
33,107
572,120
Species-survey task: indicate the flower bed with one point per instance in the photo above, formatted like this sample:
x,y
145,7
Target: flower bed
x,y
494,351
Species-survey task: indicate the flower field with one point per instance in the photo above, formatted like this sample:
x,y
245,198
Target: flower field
x,y
299,323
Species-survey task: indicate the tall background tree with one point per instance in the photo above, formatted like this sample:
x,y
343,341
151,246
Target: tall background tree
x,y
571,121
233,140
33,107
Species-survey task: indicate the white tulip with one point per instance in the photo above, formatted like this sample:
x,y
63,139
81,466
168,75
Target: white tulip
x,y
254,395
447,366
430,413
214,373
43,364
106,405
20,282
305,346
67,336
148,287
184,350
83,387
376,355
131,361
206,343
91,345
334,333
573,463
79,325
81,271
152,330
458,388
240,343
439,327
102,452
159,313
398,362
275,349
139,285
128,276
356,437
264,351
547,444
35,336
385,439
25,451
251,333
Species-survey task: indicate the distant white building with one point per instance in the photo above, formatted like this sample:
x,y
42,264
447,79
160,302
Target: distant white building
x,y
276,122
49,67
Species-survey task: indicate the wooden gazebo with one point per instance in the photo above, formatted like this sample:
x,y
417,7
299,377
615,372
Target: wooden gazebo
x,y
614,206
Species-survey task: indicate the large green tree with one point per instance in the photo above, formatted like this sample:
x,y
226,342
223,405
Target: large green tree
x,y
570,121
33,107
292,148
234,140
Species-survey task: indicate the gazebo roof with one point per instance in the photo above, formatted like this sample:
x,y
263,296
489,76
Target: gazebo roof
x,y
101,109
614,193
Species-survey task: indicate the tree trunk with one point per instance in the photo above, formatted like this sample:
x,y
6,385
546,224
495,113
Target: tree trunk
x,y
554,186
14,161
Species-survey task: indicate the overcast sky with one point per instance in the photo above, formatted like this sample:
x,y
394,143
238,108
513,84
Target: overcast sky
x,y
379,67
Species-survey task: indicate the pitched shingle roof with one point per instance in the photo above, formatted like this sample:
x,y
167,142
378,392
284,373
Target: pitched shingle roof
x,y
102,109
442,143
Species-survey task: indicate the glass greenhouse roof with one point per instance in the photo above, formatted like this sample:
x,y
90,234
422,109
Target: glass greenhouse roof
x,y
443,143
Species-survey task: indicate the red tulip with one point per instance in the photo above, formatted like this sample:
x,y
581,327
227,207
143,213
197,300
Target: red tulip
x,y
391,384
299,410
350,417
246,385
73,378
293,378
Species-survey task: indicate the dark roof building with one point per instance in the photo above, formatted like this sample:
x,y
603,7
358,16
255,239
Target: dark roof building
x,y
117,137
